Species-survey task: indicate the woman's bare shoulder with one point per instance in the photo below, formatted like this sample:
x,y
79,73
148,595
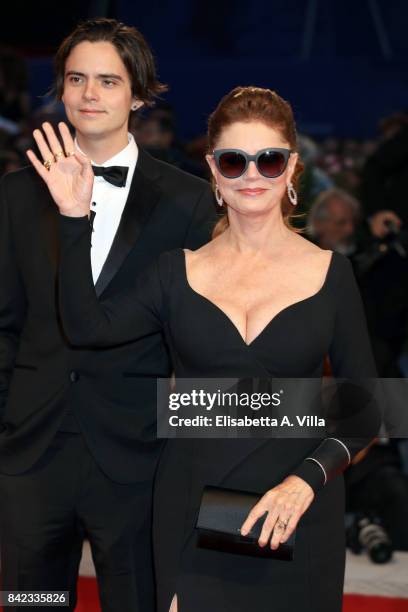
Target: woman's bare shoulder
x,y
306,247
207,251
313,260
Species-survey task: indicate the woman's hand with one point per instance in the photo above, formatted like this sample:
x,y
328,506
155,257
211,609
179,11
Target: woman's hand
x,y
67,173
284,505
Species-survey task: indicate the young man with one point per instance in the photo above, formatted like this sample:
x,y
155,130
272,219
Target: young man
x,y
77,427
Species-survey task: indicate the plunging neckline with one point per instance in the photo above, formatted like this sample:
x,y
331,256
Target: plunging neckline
x,y
271,321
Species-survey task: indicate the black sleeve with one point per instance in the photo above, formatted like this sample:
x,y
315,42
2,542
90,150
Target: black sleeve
x,y
12,298
202,222
352,363
86,320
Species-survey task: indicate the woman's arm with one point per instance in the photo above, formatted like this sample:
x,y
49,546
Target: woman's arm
x,y
69,177
87,321
352,363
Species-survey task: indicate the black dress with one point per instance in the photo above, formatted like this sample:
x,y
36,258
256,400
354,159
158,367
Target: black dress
x,y
204,342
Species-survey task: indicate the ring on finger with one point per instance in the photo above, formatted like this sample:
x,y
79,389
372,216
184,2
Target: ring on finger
x,y
48,163
281,525
70,153
58,155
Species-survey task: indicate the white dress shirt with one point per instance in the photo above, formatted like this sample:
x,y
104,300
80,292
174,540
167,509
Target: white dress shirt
x,y
108,203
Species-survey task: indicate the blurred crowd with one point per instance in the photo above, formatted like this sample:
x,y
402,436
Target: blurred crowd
x,y
353,200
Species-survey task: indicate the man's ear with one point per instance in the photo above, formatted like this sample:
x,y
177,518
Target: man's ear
x,y
136,104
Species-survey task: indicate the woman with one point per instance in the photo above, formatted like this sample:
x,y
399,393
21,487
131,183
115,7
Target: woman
x,y
257,301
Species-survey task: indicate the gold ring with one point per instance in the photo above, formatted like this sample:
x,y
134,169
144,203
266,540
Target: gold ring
x,y
58,155
48,163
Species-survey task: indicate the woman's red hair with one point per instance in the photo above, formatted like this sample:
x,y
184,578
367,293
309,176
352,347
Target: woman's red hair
x,y
246,104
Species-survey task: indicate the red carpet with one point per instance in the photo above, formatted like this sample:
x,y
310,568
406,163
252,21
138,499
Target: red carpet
x,y
365,603
88,601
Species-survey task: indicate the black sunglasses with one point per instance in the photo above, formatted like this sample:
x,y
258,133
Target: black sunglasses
x,y
233,163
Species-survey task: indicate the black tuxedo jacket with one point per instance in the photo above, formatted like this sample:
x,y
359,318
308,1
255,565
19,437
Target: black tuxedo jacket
x,y
111,392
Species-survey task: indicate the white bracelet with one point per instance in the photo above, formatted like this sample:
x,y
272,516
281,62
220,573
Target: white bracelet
x,y
318,463
345,448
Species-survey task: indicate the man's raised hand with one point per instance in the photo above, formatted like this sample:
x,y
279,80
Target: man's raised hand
x,y
67,173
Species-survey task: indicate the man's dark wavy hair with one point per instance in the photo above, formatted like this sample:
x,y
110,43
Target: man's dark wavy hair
x,y
131,47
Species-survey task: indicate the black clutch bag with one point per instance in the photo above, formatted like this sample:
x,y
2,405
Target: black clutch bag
x,y
221,514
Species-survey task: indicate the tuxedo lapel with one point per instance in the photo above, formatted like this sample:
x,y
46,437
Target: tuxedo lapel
x,y
143,197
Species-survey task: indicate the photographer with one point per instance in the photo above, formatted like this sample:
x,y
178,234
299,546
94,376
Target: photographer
x,y
378,251
376,484
385,174
378,489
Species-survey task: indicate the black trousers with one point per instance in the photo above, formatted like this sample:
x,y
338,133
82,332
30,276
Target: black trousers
x,y
46,513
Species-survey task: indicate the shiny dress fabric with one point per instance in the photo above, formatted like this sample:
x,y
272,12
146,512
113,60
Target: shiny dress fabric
x,y
203,342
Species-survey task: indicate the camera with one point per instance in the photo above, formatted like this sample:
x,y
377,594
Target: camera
x,y
368,534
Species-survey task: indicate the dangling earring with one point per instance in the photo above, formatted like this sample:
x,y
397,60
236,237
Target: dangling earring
x,y
218,196
292,195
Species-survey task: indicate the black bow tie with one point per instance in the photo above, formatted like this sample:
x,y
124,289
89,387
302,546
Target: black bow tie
x,y
116,175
